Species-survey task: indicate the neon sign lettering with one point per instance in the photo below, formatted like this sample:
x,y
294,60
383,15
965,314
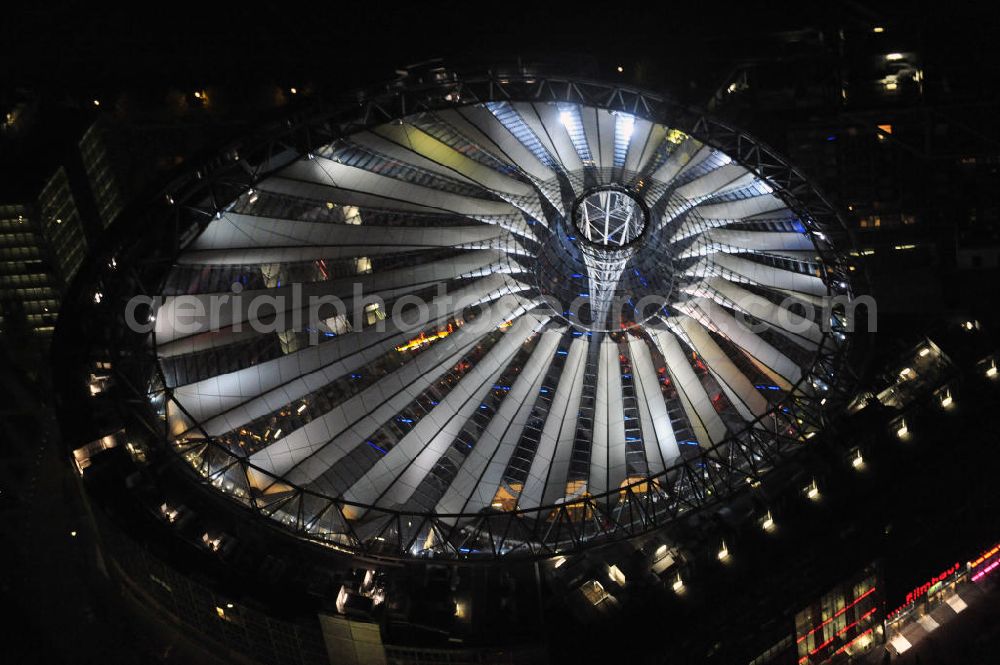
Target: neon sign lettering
x,y
925,587
915,595
985,571
989,554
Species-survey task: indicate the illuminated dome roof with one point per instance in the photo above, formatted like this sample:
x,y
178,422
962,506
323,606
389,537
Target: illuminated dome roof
x,y
567,318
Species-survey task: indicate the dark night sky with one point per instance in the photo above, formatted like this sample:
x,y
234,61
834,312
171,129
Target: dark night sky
x,y
66,54
70,45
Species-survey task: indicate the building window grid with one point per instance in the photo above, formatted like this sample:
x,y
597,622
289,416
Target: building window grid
x,y
103,181
25,280
61,224
569,115
717,396
260,432
702,168
209,278
783,263
784,342
671,397
835,620
508,116
636,463
579,466
782,300
188,368
439,129
296,208
434,485
787,222
667,146
356,463
520,460
624,124
751,191
369,160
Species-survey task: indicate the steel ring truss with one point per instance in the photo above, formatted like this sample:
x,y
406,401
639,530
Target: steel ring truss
x,y
190,203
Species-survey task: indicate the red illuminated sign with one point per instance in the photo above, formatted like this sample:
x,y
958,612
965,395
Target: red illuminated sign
x,y
982,559
988,554
924,588
915,595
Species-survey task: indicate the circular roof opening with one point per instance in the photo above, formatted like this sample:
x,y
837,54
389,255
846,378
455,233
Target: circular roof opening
x,y
610,217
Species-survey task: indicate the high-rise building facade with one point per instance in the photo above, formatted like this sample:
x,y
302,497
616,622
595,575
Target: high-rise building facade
x,y
103,166
29,288
61,224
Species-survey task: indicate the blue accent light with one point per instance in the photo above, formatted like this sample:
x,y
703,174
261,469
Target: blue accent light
x,y
381,450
